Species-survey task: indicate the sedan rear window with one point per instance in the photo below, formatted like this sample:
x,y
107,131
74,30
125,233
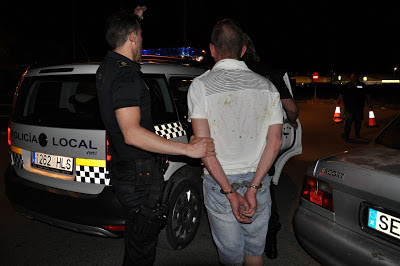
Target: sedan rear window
x,y
390,135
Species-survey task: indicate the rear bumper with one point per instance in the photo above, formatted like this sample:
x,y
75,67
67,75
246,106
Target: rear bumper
x,y
74,211
332,244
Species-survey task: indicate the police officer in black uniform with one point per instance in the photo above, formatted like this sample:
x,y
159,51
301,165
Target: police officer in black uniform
x,y
354,94
125,107
253,62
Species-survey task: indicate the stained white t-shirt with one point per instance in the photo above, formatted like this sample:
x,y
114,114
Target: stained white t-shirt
x,y
239,105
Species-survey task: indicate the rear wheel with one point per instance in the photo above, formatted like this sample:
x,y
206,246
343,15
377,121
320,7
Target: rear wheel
x,y
183,217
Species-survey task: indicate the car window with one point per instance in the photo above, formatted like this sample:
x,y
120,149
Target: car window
x,y
162,106
179,87
70,101
390,135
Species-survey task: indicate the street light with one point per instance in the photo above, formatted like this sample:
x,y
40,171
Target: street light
x,y
394,71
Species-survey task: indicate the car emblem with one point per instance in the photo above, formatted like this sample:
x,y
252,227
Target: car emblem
x,y
333,173
43,140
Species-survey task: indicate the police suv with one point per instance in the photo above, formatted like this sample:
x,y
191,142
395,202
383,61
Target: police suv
x,y
58,172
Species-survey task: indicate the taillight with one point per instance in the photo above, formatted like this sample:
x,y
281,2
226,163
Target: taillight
x,y
9,135
115,227
318,192
108,151
108,154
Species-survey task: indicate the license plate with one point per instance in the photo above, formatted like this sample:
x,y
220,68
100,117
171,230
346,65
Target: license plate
x,y
383,222
53,163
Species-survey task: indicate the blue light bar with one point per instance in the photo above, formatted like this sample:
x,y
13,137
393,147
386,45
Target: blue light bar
x,y
176,52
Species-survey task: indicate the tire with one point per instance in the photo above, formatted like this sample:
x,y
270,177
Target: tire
x,y
183,217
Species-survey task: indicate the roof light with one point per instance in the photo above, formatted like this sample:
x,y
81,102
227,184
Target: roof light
x,y
183,52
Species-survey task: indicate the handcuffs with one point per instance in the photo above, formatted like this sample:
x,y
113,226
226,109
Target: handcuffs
x,y
236,186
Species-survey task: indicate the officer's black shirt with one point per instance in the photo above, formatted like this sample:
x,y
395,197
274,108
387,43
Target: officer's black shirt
x,y
354,96
275,75
119,85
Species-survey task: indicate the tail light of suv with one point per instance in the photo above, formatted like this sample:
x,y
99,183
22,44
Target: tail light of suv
x,y
318,192
108,153
9,135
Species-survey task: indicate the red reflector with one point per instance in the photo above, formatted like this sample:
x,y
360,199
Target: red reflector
x,y
316,196
115,227
318,192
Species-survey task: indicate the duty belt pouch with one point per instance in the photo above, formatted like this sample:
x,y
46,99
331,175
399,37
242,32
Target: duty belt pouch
x,y
144,171
150,218
150,174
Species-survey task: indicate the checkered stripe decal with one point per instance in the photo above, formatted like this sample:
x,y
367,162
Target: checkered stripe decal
x,y
16,159
92,174
170,130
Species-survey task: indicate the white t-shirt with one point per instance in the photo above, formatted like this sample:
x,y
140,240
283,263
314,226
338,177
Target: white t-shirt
x,y
239,105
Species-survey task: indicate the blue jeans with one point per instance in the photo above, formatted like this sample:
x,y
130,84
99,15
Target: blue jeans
x,y
234,239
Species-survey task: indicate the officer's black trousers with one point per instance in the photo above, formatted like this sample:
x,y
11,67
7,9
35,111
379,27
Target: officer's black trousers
x,y
351,116
139,250
274,226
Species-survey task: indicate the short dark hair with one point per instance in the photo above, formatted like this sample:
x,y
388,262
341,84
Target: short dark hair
x,y
227,38
118,27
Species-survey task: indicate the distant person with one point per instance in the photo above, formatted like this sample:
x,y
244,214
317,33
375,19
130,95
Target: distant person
x,y
281,81
241,111
353,94
125,107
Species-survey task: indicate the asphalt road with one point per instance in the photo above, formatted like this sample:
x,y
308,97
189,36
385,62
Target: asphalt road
x,y
29,242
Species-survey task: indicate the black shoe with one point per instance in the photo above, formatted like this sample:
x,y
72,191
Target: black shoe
x,y
271,251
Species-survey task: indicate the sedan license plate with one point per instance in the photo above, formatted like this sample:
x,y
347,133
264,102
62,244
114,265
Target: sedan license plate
x,y
383,222
53,163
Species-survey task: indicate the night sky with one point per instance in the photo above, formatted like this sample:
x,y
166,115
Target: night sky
x,y
301,36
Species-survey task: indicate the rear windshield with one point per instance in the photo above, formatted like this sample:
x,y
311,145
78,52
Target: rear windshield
x,y
390,136
70,101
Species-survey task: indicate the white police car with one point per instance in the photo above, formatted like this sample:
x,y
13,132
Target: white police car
x,y
59,150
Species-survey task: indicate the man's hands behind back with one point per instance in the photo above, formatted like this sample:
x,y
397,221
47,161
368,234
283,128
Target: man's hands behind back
x,y
239,205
